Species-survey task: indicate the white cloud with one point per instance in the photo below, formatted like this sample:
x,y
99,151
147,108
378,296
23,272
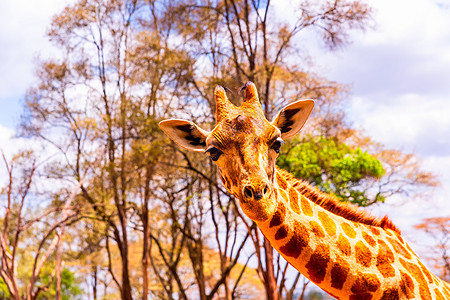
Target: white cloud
x,y
5,135
400,77
410,122
8,146
23,24
406,212
22,34
409,21
407,52
399,73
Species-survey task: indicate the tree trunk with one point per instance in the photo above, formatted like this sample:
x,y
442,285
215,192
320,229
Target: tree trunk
x,y
270,282
145,254
122,243
196,256
94,288
146,234
228,295
58,267
12,285
126,285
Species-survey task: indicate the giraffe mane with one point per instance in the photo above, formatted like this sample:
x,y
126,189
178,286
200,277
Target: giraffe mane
x,y
332,204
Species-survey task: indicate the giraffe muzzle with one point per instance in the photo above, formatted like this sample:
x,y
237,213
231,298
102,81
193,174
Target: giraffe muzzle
x,y
256,193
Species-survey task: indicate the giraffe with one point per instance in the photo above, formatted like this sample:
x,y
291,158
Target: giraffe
x,y
344,250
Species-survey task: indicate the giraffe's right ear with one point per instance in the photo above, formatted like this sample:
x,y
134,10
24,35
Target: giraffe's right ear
x,y
186,134
292,117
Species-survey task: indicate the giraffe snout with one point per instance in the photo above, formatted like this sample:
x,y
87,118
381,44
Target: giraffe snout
x,y
256,192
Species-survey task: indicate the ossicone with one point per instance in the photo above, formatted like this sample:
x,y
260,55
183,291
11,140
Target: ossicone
x,y
251,94
223,105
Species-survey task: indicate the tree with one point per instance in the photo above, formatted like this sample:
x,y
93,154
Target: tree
x,y
23,230
4,292
69,287
339,166
439,229
125,64
334,167
98,105
242,42
87,95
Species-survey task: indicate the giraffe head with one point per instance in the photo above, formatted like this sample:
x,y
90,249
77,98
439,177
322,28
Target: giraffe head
x,y
244,145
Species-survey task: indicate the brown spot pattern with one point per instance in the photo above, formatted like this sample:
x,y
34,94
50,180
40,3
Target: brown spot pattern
x,y
281,181
382,244
281,233
424,293
400,238
374,230
447,291
284,195
278,216
298,241
409,248
333,205
293,200
226,182
348,229
306,206
339,273
385,259
365,283
439,296
416,273
407,285
363,254
369,239
365,296
232,172
317,229
318,262
426,272
328,223
344,245
398,248
390,294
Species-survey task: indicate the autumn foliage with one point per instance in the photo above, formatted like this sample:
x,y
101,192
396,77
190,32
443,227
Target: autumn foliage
x,y
106,197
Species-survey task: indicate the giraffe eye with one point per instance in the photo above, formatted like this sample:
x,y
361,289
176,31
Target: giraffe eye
x,y
214,153
277,145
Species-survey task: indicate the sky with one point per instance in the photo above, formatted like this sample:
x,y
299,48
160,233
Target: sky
x,y
399,72
400,78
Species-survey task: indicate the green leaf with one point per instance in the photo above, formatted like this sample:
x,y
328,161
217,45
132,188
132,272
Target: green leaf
x,y
333,167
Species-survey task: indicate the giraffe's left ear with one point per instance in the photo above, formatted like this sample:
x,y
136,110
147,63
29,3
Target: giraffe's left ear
x,y
186,134
292,117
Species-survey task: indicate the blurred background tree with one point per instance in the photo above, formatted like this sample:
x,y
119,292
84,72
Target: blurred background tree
x,y
334,167
438,254
152,220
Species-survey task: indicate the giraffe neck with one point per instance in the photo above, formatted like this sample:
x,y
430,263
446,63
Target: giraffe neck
x,y
347,259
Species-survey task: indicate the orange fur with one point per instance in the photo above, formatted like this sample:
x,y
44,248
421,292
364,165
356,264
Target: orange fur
x,y
344,259
332,204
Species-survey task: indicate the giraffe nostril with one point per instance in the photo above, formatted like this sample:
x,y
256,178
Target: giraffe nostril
x,y
248,192
257,196
265,190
